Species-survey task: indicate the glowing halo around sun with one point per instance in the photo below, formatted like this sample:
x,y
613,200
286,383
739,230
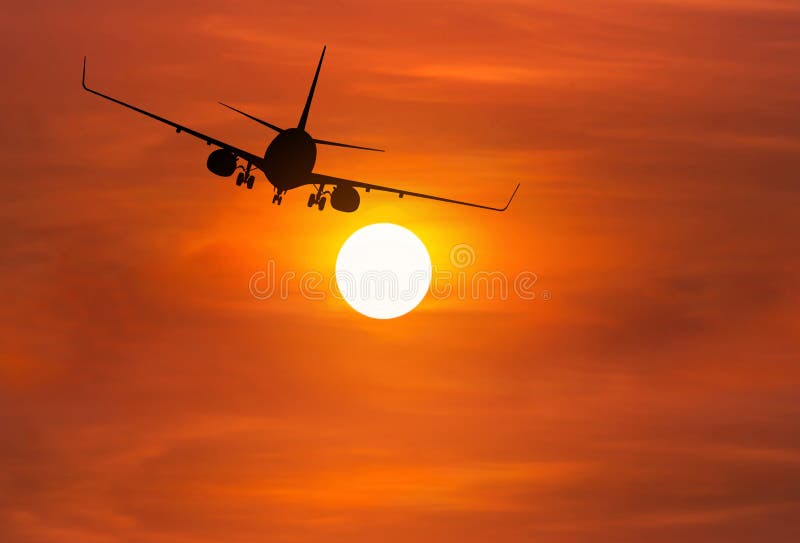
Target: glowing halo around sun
x,y
383,271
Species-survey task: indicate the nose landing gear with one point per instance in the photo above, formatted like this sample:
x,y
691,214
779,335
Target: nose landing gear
x,y
317,198
278,198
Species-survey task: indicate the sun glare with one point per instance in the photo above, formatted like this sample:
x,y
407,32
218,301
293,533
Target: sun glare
x,y
383,271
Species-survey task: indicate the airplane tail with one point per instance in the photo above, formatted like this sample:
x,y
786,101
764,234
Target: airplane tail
x,y
304,117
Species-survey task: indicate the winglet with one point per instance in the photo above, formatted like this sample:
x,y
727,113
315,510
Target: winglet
x,y
511,198
83,79
304,117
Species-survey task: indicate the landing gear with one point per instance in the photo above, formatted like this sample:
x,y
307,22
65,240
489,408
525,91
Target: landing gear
x,y
317,198
244,178
278,198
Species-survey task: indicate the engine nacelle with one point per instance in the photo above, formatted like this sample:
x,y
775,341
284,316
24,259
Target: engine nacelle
x,y
345,199
222,163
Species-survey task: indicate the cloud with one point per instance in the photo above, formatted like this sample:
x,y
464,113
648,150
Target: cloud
x,y
145,395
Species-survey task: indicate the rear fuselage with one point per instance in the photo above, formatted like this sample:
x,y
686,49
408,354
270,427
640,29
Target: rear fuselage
x,y
289,159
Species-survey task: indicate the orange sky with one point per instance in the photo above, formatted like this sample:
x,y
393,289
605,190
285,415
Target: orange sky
x,y
145,396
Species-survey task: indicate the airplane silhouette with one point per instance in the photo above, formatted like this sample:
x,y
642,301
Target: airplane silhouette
x,y
289,160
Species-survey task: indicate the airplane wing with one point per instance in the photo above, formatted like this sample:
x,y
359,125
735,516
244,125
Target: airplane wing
x,y
316,178
253,159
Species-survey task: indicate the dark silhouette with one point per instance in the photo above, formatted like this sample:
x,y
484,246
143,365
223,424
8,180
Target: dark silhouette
x,y
289,160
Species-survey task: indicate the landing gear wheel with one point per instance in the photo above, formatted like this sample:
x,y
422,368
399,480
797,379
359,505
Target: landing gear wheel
x,y
250,181
239,179
275,199
312,199
321,203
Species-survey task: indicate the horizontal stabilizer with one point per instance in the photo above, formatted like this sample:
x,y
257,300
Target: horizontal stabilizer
x,y
336,144
256,119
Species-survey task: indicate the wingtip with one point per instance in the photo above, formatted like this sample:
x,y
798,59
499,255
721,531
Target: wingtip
x,y
512,196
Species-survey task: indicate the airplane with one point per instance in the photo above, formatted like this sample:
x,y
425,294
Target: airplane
x,y
289,160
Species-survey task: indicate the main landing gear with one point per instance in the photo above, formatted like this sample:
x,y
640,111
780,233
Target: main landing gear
x,y
318,199
278,198
244,177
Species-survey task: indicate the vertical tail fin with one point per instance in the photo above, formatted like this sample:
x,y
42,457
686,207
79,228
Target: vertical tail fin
x,y
304,117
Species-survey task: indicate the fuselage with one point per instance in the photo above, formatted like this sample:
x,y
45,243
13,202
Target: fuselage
x,y
289,158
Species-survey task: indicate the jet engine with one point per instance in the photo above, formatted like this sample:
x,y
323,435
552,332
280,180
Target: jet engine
x,y
222,162
345,199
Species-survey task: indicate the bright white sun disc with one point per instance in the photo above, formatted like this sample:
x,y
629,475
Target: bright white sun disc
x,y
383,271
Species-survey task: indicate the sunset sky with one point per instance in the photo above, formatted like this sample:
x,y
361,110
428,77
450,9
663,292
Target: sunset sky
x,y
648,394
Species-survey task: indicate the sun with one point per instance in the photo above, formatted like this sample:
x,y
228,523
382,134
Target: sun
x,y
383,271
